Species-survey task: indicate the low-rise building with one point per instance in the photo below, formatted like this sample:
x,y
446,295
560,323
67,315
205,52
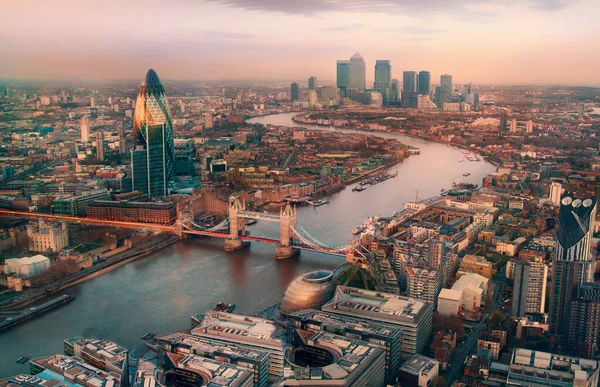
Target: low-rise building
x,y
102,354
46,237
27,266
418,371
124,211
194,370
73,370
466,294
476,264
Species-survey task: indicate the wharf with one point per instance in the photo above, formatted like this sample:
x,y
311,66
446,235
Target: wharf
x,y
22,316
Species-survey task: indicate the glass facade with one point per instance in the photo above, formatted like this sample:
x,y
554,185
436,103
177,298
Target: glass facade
x,y
409,80
152,162
383,78
424,82
357,79
343,76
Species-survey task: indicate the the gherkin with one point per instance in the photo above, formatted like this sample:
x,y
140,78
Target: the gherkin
x,y
152,160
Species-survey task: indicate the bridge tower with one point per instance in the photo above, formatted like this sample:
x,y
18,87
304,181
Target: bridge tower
x,y
237,224
287,220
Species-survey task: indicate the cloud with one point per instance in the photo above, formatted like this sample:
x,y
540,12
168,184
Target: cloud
x,y
346,27
312,7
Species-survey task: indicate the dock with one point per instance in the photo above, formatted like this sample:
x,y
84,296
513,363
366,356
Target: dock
x,y
7,322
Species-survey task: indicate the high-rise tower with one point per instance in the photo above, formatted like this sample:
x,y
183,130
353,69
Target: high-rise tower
x,y
445,90
152,161
424,82
294,92
312,83
343,76
383,78
85,129
357,72
100,146
574,259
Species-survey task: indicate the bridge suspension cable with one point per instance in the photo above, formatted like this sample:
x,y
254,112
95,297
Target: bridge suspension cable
x,y
308,239
218,227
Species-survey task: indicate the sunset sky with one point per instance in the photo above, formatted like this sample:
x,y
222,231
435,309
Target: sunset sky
x,y
502,41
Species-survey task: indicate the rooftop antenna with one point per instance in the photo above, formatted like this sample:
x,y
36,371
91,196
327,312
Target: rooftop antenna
x,y
417,197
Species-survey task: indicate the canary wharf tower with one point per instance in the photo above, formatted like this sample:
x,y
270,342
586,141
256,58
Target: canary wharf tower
x,y
152,160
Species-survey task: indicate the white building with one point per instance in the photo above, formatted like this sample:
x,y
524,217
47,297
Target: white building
x,y
556,191
85,129
466,294
27,266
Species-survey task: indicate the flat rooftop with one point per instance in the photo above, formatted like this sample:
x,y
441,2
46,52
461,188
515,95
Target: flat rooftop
x,y
417,364
104,350
382,306
127,204
218,373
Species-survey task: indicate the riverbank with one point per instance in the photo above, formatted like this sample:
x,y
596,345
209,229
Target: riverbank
x,y
102,268
493,161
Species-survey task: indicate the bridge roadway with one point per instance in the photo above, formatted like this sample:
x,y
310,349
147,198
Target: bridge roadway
x,y
148,226
94,222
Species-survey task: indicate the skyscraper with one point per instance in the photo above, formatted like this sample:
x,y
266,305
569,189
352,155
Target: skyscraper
x,y
100,146
121,135
383,78
529,295
343,76
409,79
357,78
503,119
294,92
152,161
584,322
85,129
556,191
312,83
445,90
395,91
574,259
529,128
424,82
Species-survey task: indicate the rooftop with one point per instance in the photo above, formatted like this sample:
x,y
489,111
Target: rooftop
x,y
418,364
29,260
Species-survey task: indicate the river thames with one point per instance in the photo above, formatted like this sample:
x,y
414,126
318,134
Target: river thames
x,y
161,291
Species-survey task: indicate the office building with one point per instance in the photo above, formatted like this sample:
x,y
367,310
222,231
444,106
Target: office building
x,y
85,129
256,361
102,354
152,161
414,316
343,76
312,98
556,191
253,332
386,336
357,75
409,81
418,371
312,83
383,79
308,291
395,91
294,92
192,370
446,90
185,150
584,320
325,359
26,266
66,369
126,211
529,294
573,261
424,82
100,146
535,368
77,205
44,237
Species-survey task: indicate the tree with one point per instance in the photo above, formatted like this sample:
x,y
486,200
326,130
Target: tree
x,y
453,323
497,317
438,381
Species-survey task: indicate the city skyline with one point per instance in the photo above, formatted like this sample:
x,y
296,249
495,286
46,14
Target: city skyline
x,y
534,42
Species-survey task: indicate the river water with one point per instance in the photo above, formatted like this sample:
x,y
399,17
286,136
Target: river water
x,y
161,291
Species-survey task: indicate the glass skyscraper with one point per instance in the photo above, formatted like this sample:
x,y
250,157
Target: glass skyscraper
x,y
383,77
424,82
152,160
343,76
574,259
409,80
357,79
294,92
445,90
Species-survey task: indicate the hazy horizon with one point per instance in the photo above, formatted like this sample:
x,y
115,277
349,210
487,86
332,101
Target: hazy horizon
x,y
529,42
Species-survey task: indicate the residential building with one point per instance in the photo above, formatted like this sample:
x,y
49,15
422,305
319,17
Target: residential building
x,y
414,316
424,284
573,261
476,264
84,126
100,146
529,294
102,354
556,191
446,90
584,320
192,370
152,161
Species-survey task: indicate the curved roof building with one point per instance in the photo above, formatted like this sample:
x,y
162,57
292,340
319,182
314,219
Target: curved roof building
x,y
152,162
309,291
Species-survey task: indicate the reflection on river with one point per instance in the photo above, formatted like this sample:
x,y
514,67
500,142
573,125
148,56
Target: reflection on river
x,y
161,291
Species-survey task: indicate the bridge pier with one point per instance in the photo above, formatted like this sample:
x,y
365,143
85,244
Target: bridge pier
x,y
232,244
284,252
